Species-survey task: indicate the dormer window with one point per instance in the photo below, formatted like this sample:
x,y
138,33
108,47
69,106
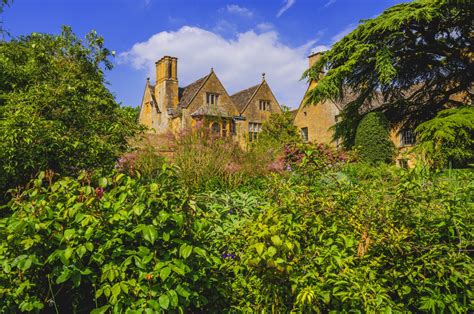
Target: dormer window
x,y
264,105
212,99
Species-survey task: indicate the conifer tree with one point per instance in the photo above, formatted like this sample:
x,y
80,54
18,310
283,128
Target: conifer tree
x,y
417,57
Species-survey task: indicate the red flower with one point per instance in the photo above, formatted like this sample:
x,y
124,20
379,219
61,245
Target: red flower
x,y
99,192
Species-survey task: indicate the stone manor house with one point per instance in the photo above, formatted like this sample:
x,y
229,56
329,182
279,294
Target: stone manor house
x,y
166,107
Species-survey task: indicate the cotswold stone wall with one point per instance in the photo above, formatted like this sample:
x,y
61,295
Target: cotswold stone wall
x,y
318,119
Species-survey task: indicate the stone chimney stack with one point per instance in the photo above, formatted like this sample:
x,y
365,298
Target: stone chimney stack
x,y
314,57
166,88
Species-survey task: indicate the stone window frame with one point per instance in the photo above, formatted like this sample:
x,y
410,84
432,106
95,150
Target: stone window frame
x,y
212,99
304,134
254,129
264,104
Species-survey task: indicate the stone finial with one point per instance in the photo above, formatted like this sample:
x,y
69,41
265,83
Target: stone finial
x,y
148,79
263,76
212,69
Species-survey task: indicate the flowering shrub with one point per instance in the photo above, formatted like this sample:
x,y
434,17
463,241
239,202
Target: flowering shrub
x,y
208,160
315,156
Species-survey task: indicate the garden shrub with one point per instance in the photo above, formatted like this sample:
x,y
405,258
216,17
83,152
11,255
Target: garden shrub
x,y
376,246
113,244
373,139
397,241
448,138
55,109
207,160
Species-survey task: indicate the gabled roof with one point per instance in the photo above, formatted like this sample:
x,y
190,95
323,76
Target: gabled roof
x,y
207,110
151,88
242,98
187,94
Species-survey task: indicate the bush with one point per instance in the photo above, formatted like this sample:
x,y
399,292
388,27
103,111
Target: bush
x,y
205,160
373,139
55,110
448,138
279,130
106,243
394,243
398,245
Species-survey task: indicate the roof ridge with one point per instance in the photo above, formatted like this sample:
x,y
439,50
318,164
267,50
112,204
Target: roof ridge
x,y
187,98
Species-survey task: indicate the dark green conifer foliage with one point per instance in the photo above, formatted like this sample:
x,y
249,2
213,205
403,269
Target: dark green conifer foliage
x,y
373,139
414,57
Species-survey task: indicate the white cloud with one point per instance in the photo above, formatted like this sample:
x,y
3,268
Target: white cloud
x,y
349,28
285,7
265,27
238,62
330,2
320,48
236,9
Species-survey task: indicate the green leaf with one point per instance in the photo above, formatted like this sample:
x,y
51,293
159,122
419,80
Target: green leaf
x,y
182,291
178,270
154,305
276,240
103,182
199,251
164,273
164,301
149,233
259,248
100,310
68,233
116,290
65,274
185,250
272,251
174,300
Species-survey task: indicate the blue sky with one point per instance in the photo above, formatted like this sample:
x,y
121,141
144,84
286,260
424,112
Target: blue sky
x,y
239,39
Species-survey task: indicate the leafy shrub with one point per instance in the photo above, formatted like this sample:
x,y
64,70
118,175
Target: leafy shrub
x,y
309,158
55,110
115,244
448,138
339,240
376,246
279,130
373,139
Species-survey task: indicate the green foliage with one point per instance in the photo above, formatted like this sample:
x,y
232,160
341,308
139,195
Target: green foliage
x,y
387,240
373,139
411,59
205,160
133,113
448,138
149,163
55,111
105,243
279,130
